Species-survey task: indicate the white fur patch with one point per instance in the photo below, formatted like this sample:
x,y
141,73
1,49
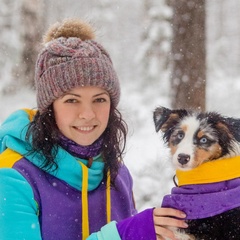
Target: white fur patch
x,y
181,235
189,125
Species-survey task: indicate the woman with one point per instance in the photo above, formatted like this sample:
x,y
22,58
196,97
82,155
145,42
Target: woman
x,y
62,174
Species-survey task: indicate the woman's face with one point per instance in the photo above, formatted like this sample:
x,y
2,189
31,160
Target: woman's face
x,y
82,114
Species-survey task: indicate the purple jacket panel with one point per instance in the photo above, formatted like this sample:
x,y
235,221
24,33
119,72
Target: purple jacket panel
x,y
60,205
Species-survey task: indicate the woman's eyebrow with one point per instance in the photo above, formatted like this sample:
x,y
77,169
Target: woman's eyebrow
x,y
102,93
77,95
73,94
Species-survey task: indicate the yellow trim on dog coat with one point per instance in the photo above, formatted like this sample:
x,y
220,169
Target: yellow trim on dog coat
x,y
210,172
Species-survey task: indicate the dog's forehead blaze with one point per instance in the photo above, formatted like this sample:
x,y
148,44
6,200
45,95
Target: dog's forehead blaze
x,y
202,155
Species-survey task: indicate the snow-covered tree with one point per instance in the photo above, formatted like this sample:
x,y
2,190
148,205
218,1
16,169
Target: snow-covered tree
x,y
153,53
9,40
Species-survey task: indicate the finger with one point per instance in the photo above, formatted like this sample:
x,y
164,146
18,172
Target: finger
x,y
169,212
169,221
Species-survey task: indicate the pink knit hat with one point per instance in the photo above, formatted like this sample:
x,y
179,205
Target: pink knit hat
x,y
71,58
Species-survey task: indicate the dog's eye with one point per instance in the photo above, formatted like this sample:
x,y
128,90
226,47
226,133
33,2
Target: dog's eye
x,y
203,140
180,135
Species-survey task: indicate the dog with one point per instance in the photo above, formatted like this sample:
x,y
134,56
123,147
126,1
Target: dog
x,y
204,147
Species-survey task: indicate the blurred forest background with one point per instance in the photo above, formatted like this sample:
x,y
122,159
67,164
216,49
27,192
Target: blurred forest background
x,y
174,53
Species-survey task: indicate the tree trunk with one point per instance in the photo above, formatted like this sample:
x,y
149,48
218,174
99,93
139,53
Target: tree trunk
x,y
188,79
32,22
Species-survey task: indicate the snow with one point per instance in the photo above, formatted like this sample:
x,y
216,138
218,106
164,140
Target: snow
x,y
24,98
146,156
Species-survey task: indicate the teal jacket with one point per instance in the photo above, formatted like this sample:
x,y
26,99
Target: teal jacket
x,y
26,197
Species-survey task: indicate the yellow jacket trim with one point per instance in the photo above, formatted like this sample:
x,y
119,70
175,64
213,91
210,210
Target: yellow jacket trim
x,y
8,158
85,220
31,113
108,194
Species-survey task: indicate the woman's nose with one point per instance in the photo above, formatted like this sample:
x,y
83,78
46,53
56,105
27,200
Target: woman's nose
x,y
86,112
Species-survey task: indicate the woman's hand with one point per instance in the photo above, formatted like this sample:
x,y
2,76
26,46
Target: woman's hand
x,y
167,217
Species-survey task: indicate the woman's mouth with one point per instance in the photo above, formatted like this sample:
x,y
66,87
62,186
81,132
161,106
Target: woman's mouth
x,y
85,129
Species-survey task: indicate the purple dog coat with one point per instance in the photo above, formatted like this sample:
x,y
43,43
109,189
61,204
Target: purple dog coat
x,y
204,200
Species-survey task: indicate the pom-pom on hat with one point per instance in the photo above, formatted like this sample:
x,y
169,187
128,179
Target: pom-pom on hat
x,y
71,58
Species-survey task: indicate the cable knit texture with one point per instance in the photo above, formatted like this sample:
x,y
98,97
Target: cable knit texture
x,y
68,62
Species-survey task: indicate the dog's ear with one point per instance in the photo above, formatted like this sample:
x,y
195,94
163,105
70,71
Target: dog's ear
x,y
228,127
234,127
165,118
160,116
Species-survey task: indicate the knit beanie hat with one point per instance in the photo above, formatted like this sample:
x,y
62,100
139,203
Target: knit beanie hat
x,y
71,58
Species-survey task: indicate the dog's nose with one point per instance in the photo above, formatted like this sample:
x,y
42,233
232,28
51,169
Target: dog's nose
x,y
183,158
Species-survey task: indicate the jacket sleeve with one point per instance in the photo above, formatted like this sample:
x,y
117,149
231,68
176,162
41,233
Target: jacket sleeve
x,y
18,210
139,226
107,232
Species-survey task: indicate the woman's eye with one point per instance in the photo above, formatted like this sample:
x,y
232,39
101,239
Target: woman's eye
x,y
100,100
71,100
